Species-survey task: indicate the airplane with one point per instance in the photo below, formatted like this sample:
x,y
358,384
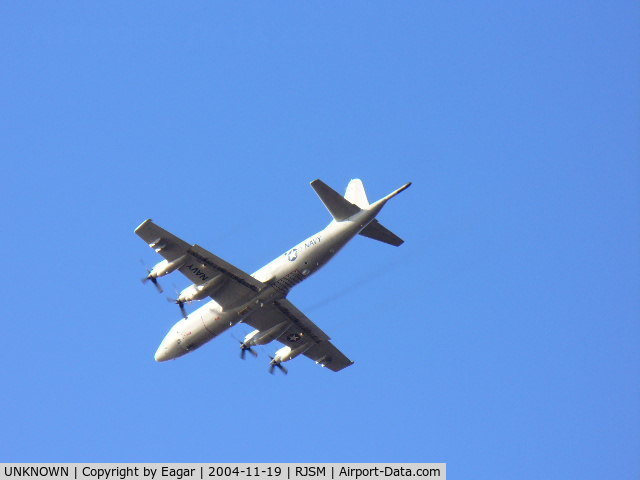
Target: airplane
x,y
259,300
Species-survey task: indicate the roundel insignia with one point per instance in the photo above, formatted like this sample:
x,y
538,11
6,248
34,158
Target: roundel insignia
x,y
294,337
293,254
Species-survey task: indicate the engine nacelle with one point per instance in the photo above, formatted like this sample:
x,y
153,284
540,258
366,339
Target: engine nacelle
x,y
287,353
198,292
191,293
165,267
282,355
249,337
262,338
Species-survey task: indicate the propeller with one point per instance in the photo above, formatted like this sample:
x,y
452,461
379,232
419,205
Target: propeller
x,y
180,304
154,280
275,364
244,348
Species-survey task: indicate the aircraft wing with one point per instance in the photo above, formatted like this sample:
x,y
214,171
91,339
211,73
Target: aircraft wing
x,y
301,330
201,265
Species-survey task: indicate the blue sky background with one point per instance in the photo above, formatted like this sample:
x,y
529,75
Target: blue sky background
x,y
502,338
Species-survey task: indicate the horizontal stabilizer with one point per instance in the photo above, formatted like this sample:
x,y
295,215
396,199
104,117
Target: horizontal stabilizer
x,y
376,231
338,207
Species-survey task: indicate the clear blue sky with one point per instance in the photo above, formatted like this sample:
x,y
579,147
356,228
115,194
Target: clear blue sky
x,y
502,338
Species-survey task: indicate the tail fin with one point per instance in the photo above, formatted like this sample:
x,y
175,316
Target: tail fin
x,y
354,200
356,194
376,231
339,207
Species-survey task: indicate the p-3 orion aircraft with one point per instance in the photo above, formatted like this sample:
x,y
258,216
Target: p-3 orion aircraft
x,y
259,300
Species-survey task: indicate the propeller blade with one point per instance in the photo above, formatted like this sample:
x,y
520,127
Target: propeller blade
x,y
244,348
273,365
149,277
156,284
180,304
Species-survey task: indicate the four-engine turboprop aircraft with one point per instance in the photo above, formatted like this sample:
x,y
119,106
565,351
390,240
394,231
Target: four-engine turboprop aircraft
x,y
259,300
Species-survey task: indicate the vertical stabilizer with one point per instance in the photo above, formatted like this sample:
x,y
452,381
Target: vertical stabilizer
x,y
356,193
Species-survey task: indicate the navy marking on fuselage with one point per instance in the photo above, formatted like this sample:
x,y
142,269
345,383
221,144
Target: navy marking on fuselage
x,y
312,242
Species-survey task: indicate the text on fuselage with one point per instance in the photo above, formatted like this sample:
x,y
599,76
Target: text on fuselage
x,y
311,242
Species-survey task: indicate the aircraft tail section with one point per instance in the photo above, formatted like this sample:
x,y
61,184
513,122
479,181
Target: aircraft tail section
x,y
394,193
376,231
354,201
356,194
339,207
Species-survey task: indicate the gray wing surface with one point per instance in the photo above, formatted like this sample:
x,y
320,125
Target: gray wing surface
x,y
301,330
201,265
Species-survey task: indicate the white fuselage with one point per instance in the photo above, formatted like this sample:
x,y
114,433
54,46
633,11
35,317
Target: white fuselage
x,y
279,276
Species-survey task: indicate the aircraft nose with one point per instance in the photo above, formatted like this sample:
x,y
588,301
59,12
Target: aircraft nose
x,y
162,354
170,347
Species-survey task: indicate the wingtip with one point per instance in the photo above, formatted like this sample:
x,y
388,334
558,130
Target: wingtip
x,y
142,224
